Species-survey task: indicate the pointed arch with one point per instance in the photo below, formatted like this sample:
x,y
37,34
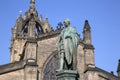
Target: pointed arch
x,y
39,26
50,66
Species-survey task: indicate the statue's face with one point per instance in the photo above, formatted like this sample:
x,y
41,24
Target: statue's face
x,y
66,23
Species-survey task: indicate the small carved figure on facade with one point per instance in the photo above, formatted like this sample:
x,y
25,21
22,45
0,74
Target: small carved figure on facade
x,y
67,47
59,26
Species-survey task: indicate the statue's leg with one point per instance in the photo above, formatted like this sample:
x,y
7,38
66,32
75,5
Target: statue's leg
x,y
73,55
61,61
61,67
75,60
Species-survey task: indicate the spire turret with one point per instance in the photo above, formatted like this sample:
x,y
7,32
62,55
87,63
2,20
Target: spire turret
x,y
41,19
87,33
88,47
118,69
32,3
32,9
47,27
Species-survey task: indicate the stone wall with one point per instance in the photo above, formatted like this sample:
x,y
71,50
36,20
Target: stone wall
x,y
45,49
99,74
80,61
15,75
16,49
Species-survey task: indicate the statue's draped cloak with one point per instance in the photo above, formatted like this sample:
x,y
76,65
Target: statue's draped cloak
x,y
68,40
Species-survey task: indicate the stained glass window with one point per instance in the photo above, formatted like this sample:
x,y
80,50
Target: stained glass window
x,y
50,68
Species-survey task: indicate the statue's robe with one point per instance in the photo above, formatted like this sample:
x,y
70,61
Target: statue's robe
x,y
68,40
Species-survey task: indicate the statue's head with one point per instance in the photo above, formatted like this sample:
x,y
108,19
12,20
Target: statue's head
x,y
66,22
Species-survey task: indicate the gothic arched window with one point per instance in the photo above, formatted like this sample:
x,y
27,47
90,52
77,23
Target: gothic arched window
x,y
50,68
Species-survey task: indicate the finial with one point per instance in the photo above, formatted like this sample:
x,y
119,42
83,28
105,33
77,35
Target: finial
x,y
86,26
32,6
118,68
119,60
46,17
20,12
86,20
32,1
41,20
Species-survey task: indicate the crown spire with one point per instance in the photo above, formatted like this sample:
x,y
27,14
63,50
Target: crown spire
x,y
32,1
32,6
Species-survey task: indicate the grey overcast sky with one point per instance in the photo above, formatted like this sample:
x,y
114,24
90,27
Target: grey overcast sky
x,y
103,17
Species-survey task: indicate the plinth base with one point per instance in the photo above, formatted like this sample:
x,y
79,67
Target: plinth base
x,y
67,75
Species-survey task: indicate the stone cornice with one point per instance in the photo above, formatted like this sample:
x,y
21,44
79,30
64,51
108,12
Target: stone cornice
x,y
96,69
48,35
88,46
12,67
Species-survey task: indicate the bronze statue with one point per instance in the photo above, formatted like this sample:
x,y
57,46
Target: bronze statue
x,y
67,47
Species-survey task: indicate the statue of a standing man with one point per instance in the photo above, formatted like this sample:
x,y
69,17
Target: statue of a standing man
x,y
67,47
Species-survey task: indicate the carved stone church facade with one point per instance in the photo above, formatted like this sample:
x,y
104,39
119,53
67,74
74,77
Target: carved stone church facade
x,y
34,56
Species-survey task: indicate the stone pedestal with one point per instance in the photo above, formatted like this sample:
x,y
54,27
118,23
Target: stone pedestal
x,y
67,75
